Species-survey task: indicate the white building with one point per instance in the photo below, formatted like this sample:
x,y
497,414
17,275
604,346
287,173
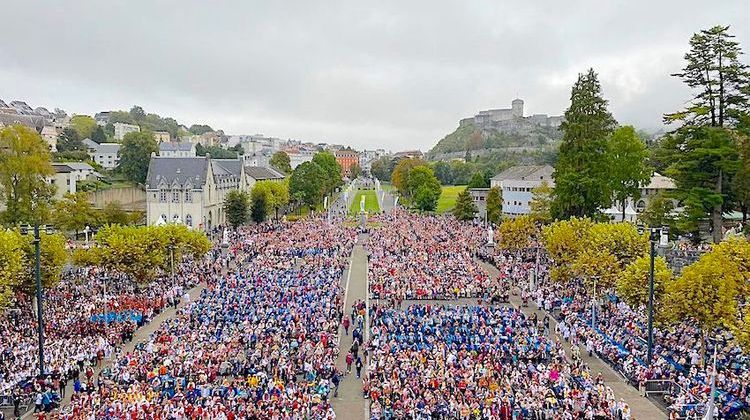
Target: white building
x,y
177,149
658,184
105,154
121,129
67,175
191,190
298,157
516,184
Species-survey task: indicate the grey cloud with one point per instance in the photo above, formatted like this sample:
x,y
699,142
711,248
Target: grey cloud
x,y
395,74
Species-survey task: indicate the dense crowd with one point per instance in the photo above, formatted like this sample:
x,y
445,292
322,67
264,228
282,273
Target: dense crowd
x,y
680,353
474,362
87,315
261,341
426,257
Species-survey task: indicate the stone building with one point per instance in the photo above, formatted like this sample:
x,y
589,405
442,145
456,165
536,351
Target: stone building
x,y
516,183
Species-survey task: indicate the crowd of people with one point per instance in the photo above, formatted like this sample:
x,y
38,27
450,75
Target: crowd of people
x,y
681,354
86,316
261,341
426,257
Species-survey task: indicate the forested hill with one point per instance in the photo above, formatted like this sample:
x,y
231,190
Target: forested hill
x,y
493,139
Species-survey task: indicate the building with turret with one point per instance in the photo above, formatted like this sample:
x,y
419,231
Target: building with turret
x,y
512,118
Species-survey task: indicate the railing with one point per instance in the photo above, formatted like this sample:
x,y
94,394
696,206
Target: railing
x,y
668,389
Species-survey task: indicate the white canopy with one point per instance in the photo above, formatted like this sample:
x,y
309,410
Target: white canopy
x,y
160,221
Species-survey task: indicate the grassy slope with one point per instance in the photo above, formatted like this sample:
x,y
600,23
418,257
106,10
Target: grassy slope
x,y
448,197
371,202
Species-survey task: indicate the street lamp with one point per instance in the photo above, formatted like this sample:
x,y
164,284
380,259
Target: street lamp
x,y
171,263
25,230
660,235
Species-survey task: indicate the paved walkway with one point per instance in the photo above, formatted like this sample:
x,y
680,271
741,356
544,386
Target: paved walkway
x,y
350,404
641,407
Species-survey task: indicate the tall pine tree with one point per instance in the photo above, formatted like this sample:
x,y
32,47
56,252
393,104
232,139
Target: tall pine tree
x,y
582,187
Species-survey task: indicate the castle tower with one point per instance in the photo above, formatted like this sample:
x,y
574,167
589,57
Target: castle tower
x,y
517,108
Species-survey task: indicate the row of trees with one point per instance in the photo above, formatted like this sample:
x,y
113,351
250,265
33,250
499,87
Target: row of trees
x,y
266,198
74,212
709,293
142,251
708,154
448,173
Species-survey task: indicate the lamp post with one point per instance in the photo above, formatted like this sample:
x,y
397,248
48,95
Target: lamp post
x,y
38,276
171,263
655,235
593,305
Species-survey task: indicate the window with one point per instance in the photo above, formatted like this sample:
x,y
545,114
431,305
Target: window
x,y
175,196
163,198
189,220
188,196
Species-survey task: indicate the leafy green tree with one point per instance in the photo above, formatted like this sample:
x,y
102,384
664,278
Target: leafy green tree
x,y
658,212
582,185
137,113
741,182
113,214
69,140
478,181
280,160
24,168
135,155
400,176
331,171
425,199
462,172
714,70
443,172
13,265
237,208
98,135
465,208
382,168
199,129
216,152
422,176
307,183
494,205
84,125
356,171
259,208
703,162
74,212
541,201
628,169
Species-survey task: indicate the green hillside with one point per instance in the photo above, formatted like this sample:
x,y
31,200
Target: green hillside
x,y
489,139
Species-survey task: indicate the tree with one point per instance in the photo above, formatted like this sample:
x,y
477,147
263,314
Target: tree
x,y
517,233
237,208
425,199
564,241
137,113
216,152
13,265
24,168
400,176
74,213
53,256
259,208
658,212
741,182
541,201
84,125
280,160
478,181
465,208
443,172
69,140
633,284
279,196
331,171
199,129
702,162
98,135
135,155
307,183
582,185
422,176
628,169
714,70
382,168
494,205
113,214
356,171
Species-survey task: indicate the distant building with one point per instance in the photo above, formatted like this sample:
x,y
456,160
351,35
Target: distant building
x,y
67,175
299,156
658,184
49,134
176,149
102,118
347,158
105,154
511,115
22,107
261,173
410,154
162,136
516,184
121,129
479,196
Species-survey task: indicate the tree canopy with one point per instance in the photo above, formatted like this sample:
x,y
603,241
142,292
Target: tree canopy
x,y
135,155
465,208
280,160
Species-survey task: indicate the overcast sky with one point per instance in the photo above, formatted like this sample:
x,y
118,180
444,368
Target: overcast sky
x,y
393,74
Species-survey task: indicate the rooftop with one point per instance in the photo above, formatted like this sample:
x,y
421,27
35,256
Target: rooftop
x,y
525,173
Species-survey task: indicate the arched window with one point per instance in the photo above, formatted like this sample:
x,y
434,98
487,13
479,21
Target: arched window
x,y
189,220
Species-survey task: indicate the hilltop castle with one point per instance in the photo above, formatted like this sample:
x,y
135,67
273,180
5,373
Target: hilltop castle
x,y
512,119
